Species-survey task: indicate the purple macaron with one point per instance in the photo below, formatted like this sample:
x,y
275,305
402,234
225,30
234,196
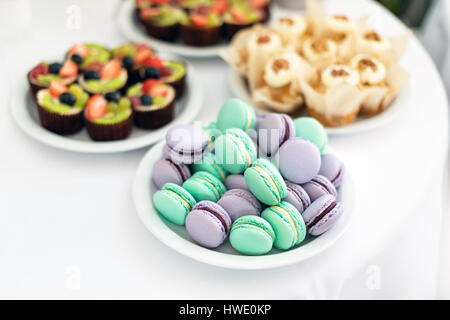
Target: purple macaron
x,y
236,181
297,196
322,214
332,168
186,143
165,170
298,160
239,203
208,224
318,187
273,130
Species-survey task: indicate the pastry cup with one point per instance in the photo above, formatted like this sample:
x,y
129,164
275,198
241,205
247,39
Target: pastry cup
x,y
83,83
60,123
151,117
333,107
109,132
179,84
378,98
166,33
200,37
35,85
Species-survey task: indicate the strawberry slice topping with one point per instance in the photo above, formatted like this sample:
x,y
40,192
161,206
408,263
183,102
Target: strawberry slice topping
x,y
160,1
158,90
96,107
39,69
142,53
154,61
198,20
80,49
69,69
149,84
220,6
165,71
149,12
238,15
56,88
110,70
258,3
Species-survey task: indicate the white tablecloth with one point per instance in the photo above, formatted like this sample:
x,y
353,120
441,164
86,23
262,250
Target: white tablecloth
x,y
68,228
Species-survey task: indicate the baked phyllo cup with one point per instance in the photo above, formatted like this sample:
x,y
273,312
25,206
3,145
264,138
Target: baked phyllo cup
x,y
319,52
89,55
162,22
61,107
381,84
133,57
292,30
44,73
201,29
153,103
334,98
108,117
279,87
240,17
107,78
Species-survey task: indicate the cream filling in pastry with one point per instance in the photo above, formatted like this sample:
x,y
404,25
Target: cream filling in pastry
x,y
278,71
265,42
374,41
316,50
336,75
371,70
295,26
339,24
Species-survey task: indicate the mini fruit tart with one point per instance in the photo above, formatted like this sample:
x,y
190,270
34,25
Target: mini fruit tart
x,y
88,55
60,107
44,73
108,117
239,17
188,5
162,22
202,27
153,103
168,71
262,5
133,57
105,78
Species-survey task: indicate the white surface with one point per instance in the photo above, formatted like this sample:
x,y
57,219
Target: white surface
x,y
225,256
24,112
68,227
239,88
131,30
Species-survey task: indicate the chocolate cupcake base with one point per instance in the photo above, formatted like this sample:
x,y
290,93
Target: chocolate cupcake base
x,y
200,37
60,123
166,33
154,119
110,132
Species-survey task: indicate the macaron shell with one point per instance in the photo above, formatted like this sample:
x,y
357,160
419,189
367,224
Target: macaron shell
x,y
204,227
297,196
235,113
332,168
187,137
318,187
236,181
170,207
239,203
204,186
312,130
209,165
328,221
164,171
260,188
298,160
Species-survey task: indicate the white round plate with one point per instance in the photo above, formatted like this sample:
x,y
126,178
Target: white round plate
x,y
240,89
177,238
24,112
131,29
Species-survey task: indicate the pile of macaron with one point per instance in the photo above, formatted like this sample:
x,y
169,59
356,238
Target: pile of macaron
x,y
199,22
262,181
107,91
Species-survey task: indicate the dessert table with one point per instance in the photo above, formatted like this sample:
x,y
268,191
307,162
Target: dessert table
x,y
68,227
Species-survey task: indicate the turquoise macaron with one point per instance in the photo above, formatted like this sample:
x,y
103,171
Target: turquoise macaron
x,y
235,151
235,113
252,235
288,224
265,182
204,186
174,203
209,164
310,129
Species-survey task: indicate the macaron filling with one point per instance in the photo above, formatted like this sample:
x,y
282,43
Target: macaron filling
x,y
298,197
178,168
323,186
241,146
287,217
319,217
215,214
268,179
184,202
